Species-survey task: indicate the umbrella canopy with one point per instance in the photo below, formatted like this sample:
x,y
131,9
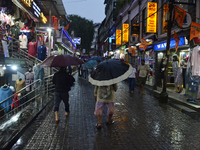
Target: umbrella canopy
x,y
85,57
90,64
110,72
61,61
97,58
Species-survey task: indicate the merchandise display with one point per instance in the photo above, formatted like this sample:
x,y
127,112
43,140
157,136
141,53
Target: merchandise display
x,y
29,78
32,49
41,52
23,41
19,84
5,92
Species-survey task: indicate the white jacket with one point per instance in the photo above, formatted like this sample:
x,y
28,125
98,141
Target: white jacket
x,y
23,41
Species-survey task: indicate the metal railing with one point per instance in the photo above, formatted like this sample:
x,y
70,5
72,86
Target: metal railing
x,y
31,104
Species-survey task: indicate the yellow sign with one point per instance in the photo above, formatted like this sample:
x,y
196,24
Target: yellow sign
x,y
27,2
125,32
165,10
44,19
151,17
118,37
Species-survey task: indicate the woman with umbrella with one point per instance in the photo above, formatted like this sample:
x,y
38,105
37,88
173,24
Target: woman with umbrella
x,y
105,78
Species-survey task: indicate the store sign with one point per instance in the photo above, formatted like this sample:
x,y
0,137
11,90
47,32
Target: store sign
x,y
151,17
118,37
165,11
66,40
163,45
77,40
125,32
12,61
35,9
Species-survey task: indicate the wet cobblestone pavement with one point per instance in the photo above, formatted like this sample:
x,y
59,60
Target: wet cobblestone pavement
x,y
141,123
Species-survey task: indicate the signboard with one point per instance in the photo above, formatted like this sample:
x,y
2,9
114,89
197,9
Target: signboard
x,y
165,11
33,7
66,40
151,17
125,32
14,61
118,37
163,45
77,40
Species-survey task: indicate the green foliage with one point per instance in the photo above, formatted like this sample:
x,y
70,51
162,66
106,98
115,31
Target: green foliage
x,y
82,28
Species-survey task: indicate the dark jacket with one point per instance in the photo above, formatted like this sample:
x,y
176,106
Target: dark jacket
x,y
63,81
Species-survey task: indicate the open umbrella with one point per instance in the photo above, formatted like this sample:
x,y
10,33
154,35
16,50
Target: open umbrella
x,y
90,64
97,58
85,57
110,72
61,61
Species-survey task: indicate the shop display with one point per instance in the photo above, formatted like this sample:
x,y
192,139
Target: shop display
x,y
23,41
5,92
195,61
32,49
38,74
15,102
15,31
19,84
25,30
41,54
29,78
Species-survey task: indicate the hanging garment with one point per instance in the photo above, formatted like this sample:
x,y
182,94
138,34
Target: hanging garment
x,y
195,61
15,31
38,74
175,68
15,102
41,52
29,78
5,92
19,84
179,78
23,41
32,49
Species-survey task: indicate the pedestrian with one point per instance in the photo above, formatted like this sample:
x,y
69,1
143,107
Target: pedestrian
x,y
104,95
83,70
162,70
131,80
70,70
63,81
143,71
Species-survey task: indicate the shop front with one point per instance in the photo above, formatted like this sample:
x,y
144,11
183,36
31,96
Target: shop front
x,y
65,42
177,63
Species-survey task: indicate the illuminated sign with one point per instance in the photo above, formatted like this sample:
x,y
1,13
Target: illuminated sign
x,y
163,45
27,2
165,10
44,19
151,17
118,37
35,10
125,32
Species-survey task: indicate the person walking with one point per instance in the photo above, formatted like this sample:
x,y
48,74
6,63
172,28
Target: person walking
x,y
143,71
131,80
63,81
104,95
84,70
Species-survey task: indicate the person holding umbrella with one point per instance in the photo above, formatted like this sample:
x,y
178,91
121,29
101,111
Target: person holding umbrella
x,y
105,78
63,81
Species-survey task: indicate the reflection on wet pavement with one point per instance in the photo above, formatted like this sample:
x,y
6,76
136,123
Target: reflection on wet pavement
x,y
141,122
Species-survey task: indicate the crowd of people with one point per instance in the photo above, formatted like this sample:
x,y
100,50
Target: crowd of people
x,y
104,95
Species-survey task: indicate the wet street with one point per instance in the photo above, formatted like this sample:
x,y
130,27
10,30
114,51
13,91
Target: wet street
x,y
141,123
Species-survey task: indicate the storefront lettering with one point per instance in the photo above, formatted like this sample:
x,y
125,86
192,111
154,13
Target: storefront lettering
x,y
163,45
44,19
27,2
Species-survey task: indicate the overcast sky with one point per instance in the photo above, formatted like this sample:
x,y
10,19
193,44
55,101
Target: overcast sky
x,y
89,9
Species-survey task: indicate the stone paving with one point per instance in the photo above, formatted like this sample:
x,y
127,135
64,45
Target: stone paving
x,y
141,123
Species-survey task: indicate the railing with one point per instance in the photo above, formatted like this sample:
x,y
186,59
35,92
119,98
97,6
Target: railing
x,y
31,103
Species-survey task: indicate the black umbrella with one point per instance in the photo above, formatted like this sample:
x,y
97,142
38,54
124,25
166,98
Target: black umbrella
x,y
110,72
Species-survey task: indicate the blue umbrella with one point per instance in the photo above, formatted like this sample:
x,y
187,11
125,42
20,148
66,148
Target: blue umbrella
x,y
97,58
91,64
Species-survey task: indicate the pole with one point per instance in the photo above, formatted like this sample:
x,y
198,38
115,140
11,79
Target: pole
x,y
164,95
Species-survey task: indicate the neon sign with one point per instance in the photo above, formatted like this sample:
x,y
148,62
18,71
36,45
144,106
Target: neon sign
x,y
35,9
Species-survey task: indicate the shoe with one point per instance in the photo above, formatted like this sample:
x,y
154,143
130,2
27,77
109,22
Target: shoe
x,y
57,121
67,114
133,91
98,126
110,122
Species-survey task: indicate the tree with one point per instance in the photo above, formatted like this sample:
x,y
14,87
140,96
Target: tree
x,y
82,28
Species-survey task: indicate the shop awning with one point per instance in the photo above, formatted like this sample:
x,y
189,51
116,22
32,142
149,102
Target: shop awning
x,y
57,7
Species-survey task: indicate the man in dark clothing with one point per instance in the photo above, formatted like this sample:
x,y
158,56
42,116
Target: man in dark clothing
x,y
63,81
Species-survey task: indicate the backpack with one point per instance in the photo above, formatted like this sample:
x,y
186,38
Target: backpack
x,y
105,91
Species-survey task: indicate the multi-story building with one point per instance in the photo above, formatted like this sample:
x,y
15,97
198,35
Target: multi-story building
x,y
94,45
